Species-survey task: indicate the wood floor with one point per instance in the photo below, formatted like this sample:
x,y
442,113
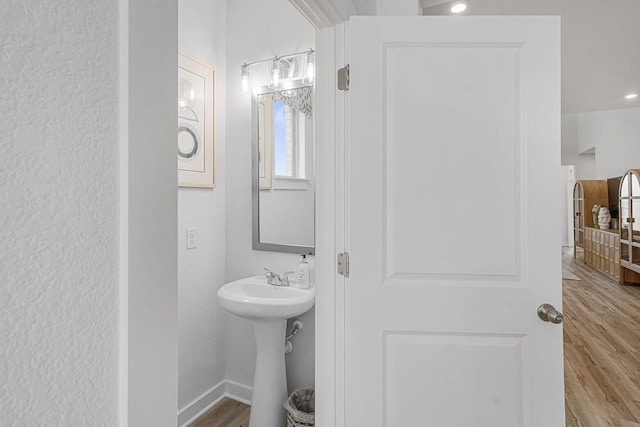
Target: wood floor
x,y
601,348
227,413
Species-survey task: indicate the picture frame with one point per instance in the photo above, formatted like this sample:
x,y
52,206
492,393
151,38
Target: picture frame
x,y
196,149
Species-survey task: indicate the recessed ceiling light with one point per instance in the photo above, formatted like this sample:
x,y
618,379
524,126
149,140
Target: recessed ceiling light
x,y
632,96
459,6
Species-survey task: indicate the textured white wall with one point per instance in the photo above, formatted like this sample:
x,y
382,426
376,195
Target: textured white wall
x,y
273,27
201,271
59,213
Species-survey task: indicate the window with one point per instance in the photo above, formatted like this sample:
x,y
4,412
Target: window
x,y
288,141
284,134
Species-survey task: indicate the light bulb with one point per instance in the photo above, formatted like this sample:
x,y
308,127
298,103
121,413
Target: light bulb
x,y
459,6
275,71
632,96
311,68
244,73
245,84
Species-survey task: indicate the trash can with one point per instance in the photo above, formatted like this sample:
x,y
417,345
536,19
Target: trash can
x,y
301,408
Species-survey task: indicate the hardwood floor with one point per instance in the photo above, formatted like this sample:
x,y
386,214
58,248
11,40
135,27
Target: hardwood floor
x,y
601,348
227,413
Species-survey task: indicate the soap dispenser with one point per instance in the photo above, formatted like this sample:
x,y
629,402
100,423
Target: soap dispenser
x,y
303,273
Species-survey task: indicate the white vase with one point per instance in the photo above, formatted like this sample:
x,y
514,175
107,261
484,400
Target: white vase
x,y
604,218
594,212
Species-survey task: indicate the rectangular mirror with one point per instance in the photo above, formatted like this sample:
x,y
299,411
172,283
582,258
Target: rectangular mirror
x,y
283,182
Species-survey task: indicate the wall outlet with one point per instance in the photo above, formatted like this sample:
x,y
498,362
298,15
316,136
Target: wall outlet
x,y
192,242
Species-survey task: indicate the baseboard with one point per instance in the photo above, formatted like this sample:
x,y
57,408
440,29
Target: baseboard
x,y
230,389
239,392
202,404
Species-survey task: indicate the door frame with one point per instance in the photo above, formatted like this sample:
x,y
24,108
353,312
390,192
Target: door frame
x,y
330,18
331,237
147,214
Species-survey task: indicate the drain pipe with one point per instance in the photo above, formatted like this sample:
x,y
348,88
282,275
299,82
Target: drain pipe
x,y
296,327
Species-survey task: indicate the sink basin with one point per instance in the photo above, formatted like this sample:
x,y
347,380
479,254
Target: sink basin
x,y
267,307
252,298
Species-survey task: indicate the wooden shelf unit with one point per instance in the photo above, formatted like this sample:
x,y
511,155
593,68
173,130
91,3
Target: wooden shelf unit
x,y
602,251
629,196
586,193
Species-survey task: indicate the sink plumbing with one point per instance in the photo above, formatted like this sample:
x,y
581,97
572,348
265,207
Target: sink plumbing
x,y
296,327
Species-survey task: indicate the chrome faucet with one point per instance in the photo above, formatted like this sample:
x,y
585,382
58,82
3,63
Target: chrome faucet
x,y
275,279
271,276
284,279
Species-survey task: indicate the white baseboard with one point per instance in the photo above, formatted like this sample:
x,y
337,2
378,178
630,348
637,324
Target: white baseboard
x,y
239,392
230,389
201,405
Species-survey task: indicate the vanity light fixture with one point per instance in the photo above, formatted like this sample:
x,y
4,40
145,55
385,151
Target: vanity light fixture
x,y
459,6
631,96
276,64
244,74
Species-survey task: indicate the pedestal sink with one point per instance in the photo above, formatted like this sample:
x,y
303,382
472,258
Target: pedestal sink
x,y
267,307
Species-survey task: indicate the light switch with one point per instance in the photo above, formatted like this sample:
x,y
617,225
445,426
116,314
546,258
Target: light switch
x,y
192,242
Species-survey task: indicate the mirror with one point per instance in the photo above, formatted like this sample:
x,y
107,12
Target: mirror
x,y
283,178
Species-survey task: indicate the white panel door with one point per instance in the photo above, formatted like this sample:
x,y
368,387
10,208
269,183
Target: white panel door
x,y
452,194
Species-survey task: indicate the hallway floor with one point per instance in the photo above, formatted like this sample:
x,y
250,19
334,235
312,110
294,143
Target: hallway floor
x,y
601,348
227,413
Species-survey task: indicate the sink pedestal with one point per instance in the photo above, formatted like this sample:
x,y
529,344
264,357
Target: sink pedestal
x,y
268,308
269,380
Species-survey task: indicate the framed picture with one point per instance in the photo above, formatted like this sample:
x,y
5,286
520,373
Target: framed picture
x,y
196,139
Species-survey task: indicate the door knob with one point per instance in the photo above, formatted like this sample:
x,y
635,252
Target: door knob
x,y
548,313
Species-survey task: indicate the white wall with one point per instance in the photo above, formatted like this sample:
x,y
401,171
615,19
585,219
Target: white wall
x,y
616,136
59,211
585,164
256,29
201,271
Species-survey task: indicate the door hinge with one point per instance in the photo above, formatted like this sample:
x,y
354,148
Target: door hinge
x,y
343,78
343,264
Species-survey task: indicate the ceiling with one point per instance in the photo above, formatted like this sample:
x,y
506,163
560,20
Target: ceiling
x,y
600,45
